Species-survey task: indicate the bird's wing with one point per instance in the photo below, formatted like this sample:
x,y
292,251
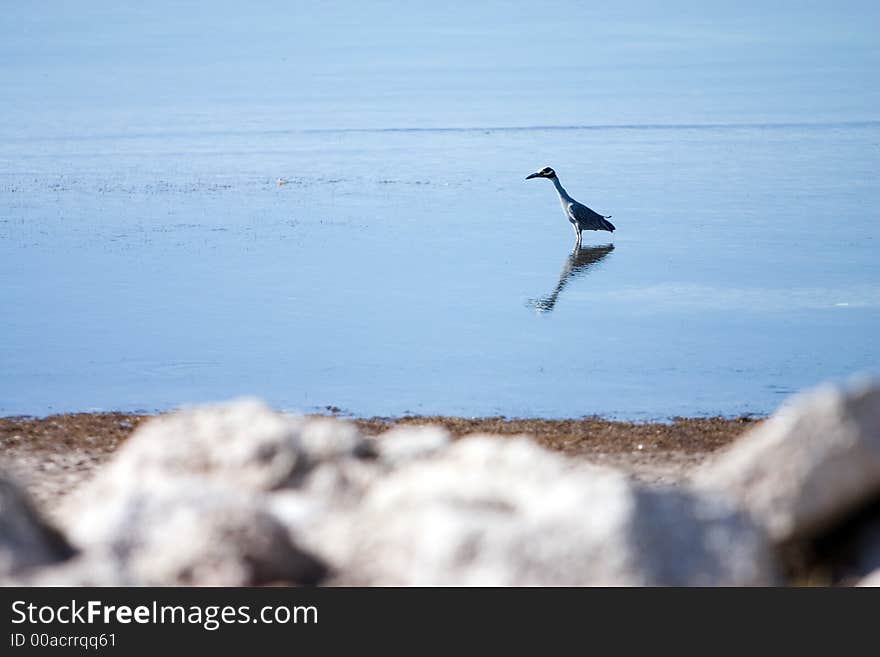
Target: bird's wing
x,y
588,219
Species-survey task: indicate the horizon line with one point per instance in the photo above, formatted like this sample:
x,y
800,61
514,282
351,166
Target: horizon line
x,y
487,129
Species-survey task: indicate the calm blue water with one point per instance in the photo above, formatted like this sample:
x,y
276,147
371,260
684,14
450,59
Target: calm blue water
x,y
149,258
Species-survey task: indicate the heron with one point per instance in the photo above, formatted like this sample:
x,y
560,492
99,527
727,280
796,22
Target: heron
x,y
579,215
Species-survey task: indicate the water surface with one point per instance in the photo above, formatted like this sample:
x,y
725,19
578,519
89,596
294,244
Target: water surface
x,y
149,256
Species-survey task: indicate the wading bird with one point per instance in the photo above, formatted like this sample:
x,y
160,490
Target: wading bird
x,y
580,216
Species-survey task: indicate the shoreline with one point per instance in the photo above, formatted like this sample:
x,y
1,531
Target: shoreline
x,y
564,434
337,413
55,454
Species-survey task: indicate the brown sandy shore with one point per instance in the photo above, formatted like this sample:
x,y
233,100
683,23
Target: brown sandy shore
x,y
53,455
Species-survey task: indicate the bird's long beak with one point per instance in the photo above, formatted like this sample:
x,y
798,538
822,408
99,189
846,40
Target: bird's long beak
x,y
533,175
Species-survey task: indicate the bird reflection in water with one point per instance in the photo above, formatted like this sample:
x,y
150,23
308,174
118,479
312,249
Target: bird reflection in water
x,y
577,263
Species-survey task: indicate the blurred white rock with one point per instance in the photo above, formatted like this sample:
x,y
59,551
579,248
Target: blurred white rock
x,y
186,499
813,462
490,511
242,444
92,568
193,532
404,443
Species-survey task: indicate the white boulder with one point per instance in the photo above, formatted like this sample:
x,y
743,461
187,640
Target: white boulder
x,y
191,532
813,462
500,511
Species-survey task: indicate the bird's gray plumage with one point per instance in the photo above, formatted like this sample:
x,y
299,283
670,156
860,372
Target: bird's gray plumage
x,y
588,219
581,217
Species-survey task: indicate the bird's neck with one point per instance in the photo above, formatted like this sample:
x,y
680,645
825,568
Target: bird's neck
x,y
559,188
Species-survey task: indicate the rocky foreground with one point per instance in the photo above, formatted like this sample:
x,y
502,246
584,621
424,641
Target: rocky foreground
x,y
240,495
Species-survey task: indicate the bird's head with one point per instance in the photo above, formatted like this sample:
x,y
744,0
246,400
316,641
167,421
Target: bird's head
x,y
546,172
